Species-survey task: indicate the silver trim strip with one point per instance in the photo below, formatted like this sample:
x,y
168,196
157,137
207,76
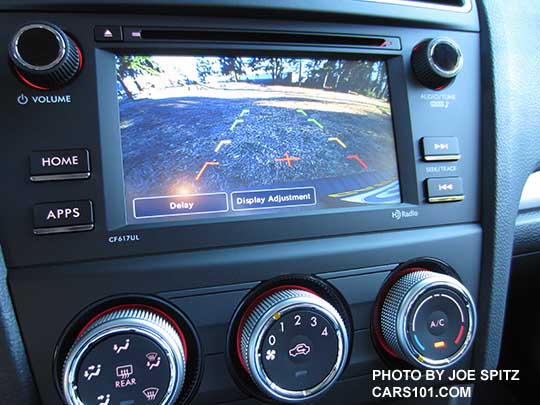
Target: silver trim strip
x,y
15,47
530,196
63,229
435,158
57,177
450,198
467,5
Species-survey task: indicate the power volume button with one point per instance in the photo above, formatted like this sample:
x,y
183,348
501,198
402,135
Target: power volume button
x,y
44,57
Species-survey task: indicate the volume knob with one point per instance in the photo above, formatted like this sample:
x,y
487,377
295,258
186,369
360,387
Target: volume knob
x,y
437,62
44,57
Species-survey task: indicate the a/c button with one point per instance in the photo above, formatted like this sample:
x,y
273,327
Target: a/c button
x,y
69,216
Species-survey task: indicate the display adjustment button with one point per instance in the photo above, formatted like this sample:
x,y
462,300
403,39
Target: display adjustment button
x,y
445,189
440,148
71,164
69,216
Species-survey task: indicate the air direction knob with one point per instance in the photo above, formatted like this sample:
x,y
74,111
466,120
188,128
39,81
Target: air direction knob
x,y
131,355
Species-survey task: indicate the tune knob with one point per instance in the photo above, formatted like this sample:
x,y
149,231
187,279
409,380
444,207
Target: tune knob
x,y
437,62
44,57
132,355
293,343
427,319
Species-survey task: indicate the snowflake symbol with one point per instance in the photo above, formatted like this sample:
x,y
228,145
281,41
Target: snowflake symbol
x,y
270,355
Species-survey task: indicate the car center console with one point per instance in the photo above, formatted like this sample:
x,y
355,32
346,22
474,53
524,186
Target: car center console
x,y
207,209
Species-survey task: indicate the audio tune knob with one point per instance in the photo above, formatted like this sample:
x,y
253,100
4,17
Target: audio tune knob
x,y
427,319
437,62
293,344
132,355
44,57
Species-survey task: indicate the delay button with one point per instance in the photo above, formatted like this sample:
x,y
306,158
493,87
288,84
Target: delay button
x,y
70,164
69,216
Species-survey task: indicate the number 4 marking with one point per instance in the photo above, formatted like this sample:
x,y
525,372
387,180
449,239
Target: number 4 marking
x,y
325,331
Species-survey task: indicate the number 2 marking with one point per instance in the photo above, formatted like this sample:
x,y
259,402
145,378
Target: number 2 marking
x,y
297,322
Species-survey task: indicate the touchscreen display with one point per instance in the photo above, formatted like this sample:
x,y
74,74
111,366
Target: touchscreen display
x,y
208,137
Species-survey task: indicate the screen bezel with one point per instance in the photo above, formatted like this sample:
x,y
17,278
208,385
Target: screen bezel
x,y
234,230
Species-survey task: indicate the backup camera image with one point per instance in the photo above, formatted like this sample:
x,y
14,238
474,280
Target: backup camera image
x,y
218,136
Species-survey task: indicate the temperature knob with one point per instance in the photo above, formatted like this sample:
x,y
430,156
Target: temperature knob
x,y
427,319
437,62
44,57
132,355
293,344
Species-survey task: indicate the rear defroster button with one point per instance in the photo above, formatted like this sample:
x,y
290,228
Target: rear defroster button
x,y
69,216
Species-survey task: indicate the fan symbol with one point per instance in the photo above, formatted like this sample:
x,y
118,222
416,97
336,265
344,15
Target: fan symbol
x,y
270,354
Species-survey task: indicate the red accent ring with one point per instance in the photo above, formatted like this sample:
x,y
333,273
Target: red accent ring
x,y
140,306
80,55
379,303
252,306
28,82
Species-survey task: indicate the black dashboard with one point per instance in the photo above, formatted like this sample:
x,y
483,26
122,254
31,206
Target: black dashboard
x,y
245,202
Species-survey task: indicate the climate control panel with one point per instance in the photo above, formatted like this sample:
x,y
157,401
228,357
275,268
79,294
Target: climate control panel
x,y
289,339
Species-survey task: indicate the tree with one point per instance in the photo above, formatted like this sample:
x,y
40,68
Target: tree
x,y
205,68
232,66
134,66
274,66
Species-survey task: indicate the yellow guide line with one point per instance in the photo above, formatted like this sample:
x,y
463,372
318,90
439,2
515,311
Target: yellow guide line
x,y
336,139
